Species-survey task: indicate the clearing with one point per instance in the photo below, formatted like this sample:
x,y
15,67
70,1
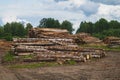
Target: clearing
x,y
107,68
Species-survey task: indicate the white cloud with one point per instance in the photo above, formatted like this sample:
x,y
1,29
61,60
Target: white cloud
x,y
109,9
81,6
78,3
109,2
109,12
10,19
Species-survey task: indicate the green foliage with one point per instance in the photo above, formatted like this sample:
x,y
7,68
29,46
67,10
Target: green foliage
x,y
1,31
101,28
49,23
85,27
7,28
52,23
8,57
99,35
8,37
114,24
113,32
14,29
67,25
101,25
28,27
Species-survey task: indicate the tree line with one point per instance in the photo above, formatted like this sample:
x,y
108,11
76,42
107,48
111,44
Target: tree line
x,y
100,29
14,29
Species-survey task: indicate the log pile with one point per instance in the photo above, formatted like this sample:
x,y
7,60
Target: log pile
x,y
88,39
48,33
112,42
52,45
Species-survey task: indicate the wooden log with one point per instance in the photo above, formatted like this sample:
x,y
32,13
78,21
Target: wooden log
x,y
57,49
40,39
34,44
24,54
80,59
38,32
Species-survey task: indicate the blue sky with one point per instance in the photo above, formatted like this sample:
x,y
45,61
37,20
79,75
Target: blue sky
x,y
73,10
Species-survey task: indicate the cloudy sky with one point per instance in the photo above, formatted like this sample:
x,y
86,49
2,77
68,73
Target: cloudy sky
x,y
73,10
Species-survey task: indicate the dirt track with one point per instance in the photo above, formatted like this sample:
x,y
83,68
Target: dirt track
x,y
107,68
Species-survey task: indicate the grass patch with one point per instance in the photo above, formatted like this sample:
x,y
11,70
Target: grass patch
x,y
41,64
34,65
9,57
71,62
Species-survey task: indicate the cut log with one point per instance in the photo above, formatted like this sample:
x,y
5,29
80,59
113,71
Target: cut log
x,y
53,45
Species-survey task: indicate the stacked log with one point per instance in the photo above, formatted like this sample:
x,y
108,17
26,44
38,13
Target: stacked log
x,y
50,45
47,32
112,42
88,39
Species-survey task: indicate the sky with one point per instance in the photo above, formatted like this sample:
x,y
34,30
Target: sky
x,y
32,11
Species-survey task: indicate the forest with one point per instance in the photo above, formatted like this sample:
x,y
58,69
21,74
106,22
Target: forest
x,y
101,29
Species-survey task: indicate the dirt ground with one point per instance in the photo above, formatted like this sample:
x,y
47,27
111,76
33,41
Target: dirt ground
x,y
107,68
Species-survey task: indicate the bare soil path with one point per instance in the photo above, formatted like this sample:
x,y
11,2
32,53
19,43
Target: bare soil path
x,y
5,74
107,68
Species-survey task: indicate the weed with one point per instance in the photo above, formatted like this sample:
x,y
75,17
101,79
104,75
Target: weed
x,y
71,62
8,57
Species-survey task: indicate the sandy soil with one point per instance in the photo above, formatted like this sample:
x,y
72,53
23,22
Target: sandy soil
x,y
107,68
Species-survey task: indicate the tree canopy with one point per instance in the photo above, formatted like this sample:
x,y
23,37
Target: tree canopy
x,y
101,28
49,23
52,23
10,30
28,27
67,25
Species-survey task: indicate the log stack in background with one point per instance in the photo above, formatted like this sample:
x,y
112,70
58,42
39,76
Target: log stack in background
x,y
48,33
88,39
46,44
112,42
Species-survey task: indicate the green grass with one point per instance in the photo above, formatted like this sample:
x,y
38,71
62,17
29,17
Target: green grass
x,y
8,57
71,62
40,64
